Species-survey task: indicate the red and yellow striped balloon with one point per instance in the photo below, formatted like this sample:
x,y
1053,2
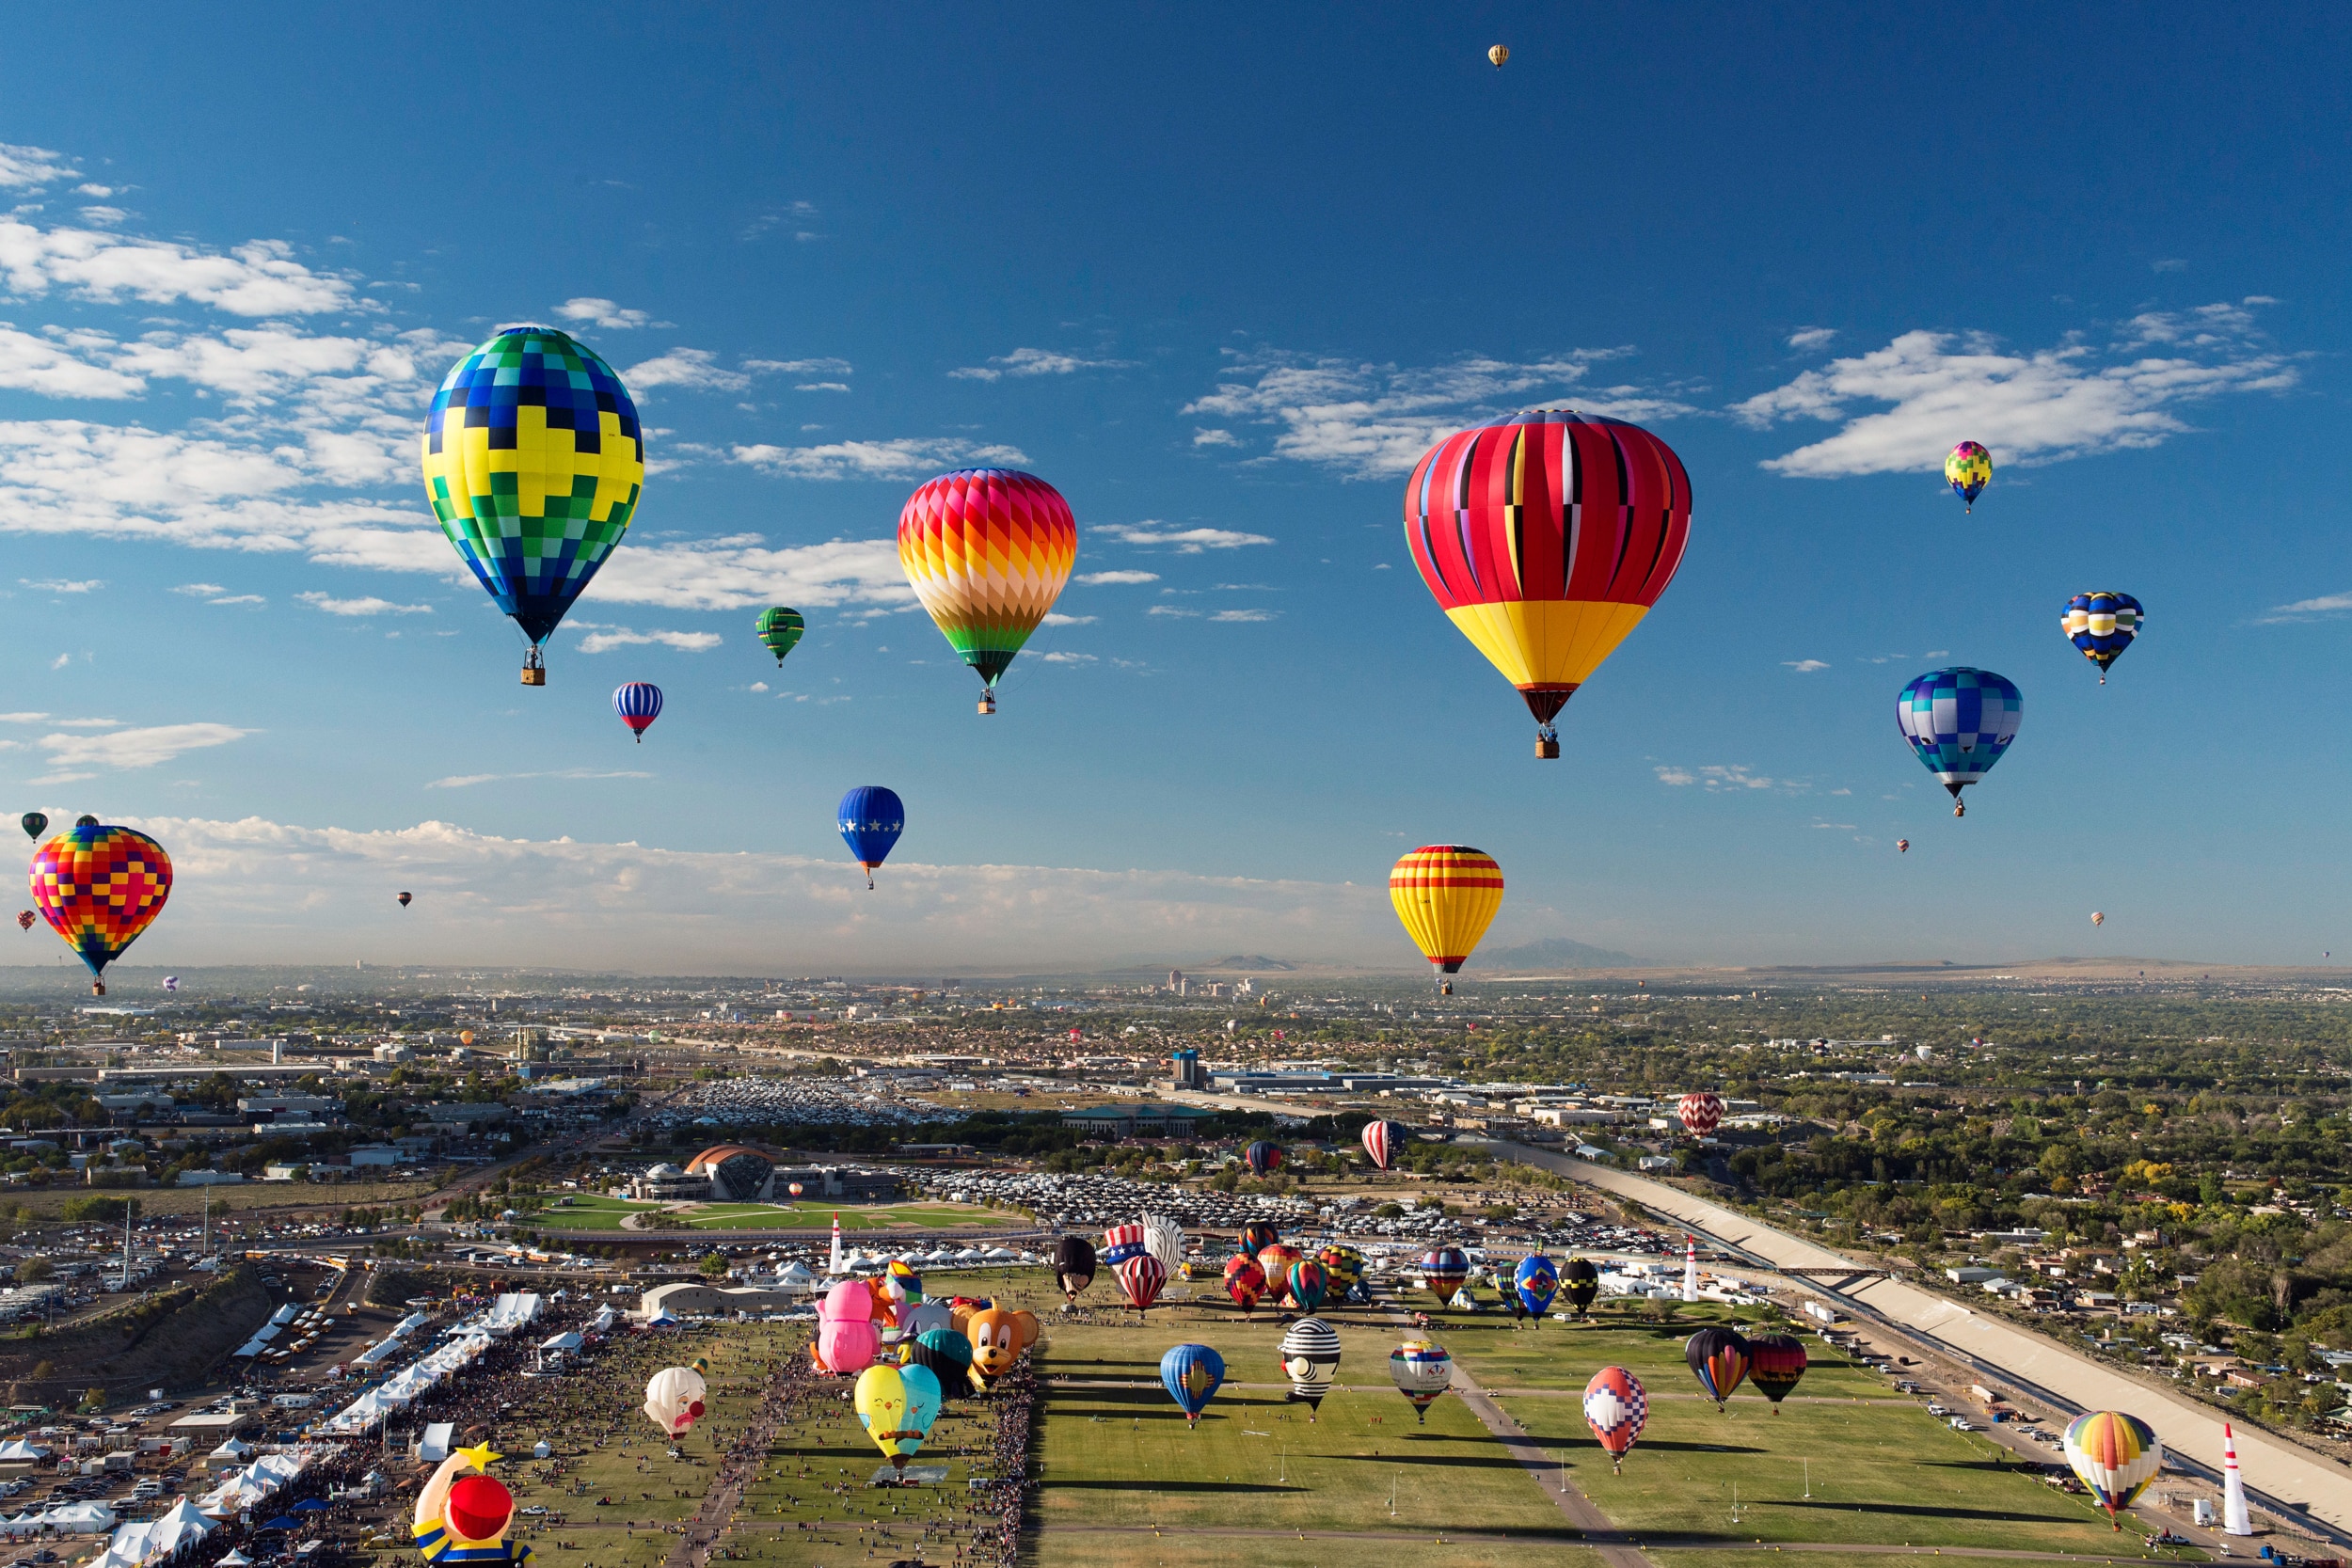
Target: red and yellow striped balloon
x,y
1447,896
988,551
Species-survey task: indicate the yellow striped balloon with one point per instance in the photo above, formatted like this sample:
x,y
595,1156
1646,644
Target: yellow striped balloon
x,y
2116,1455
1447,896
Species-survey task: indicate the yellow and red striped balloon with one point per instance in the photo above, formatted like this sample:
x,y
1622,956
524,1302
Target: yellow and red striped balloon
x,y
1447,896
988,551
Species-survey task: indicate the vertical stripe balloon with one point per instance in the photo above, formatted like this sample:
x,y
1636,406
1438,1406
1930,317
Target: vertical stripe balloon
x,y
2116,1455
639,703
987,550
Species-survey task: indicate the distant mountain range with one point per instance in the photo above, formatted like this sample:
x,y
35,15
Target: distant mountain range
x,y
1553,952
1250,960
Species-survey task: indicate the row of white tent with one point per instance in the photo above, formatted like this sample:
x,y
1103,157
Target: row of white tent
x,y
152,1539
969,1258
391,1345
401,1390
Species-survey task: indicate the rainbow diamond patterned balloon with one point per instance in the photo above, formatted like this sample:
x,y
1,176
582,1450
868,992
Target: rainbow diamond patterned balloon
x,y
988,551
99,887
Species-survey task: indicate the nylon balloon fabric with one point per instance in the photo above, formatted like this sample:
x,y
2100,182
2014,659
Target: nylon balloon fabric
x,y
1422,1370
2102,625
1311,1359
1546,539
1700,1113
779,629
1533,1283
533,463
987,552
1968,468
1140,1278
1960,721
1718,1358
870,818
1446,894
1580,1282
1073,1264
1192,1374
1616,1408
1382,1139
99,887
1444,1268
2116,1455
1775,1362
639,703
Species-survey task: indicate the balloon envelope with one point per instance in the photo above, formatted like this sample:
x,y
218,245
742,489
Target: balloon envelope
x,y
1309,1284
639,703
1446,894
871,818
1382,1139
1960,721
1616,1408
1073,1264
35,823
987,552
1580,1282
780,629
1718,1358
848,1344
1140,1278
1775,1362
100,887
1311,1358
674,1399
2116,1455
1245,1281
2102,625
1968,468
1535,1282
1444,1269
1192,1375
534,462
1701,1113
1421,1371
1261,1157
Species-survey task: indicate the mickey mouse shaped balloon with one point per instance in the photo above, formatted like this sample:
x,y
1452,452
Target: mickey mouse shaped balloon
x,y
463,1516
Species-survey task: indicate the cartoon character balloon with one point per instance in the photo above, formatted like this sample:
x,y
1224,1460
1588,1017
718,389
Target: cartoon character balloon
x,y
463,1513
848,1338
1968,468
2102,625
1502,523
1616,1408
1000,1336
1311,1358
896,1406
1446,894
780,629
871,818
1960,721
987,552
674,1397
533,463
1074,1265
1421,1371
100,887
1192,1375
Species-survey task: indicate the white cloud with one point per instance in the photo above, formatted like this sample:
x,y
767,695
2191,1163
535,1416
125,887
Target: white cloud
x,y
1189,540
56,585
467,781
22,718
741,570
105,217
255,889
1095,578
1034,361
200,590
21,168
1057,656
697,369
1370,420
588,310
98,192
361,607
798,367
1056,619
259,277
820,386
604,639
1173,610
903,458
1245,615
130,749
2327,605
1812,337
1735,776
1215,438
2168,263
34,364
1805,666
2048,404
1677,776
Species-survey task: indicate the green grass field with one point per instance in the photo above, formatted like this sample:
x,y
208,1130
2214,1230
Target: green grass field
x,y
591,1214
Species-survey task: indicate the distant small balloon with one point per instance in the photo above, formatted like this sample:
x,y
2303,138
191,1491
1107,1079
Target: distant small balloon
x,y
1902,845
171,982
2098,919
85,822
1498,54
35,824
404,900
639,703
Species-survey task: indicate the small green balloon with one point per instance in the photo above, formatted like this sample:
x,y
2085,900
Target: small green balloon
x,y
35,824
781,628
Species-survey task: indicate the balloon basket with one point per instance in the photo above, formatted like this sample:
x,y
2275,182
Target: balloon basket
x,y
988,703
97,987
1546,749
534,675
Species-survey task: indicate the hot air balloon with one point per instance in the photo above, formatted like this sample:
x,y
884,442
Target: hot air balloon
x,y
1719,1359
1192,1375
1546,539
1421,1371
463,1514
988,551
1261,1157
171,982
1121,1242
896,1406
1902,846
2116,1455
999,1337
464,1036
1140,1280
1244,1280
1382,1139
1276,1261
1533,1283
1308,1284
1074,1265
796,1189
1164,1238
1447,896
948,1355
85,822
1775,1362
1959,723
1700,1113
1616,1409
404,900
24,919
1342,1265
1580,1282
872,819
533,463
2097,918
1310,1357
1968,468
780,628
99,888
1444,1269
2103,626
1497,56
674,1397
1256,1236
639,703
35,823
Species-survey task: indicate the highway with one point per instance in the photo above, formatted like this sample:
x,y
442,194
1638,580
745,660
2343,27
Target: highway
x,y
2288,1479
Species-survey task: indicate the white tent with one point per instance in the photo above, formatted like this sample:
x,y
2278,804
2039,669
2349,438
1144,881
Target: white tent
x,y
383,1351
434,1446
232,1448
80,1518
604,1319
234,1559
21,1452
408,1324
562,1341
285,1314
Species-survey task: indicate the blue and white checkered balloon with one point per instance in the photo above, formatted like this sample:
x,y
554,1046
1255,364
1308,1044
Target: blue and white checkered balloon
x,y
1959,723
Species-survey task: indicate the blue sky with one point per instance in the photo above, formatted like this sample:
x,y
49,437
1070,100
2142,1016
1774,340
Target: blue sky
x,y
1220,277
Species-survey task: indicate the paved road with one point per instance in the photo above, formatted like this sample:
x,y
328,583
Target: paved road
x,y
2280,1475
